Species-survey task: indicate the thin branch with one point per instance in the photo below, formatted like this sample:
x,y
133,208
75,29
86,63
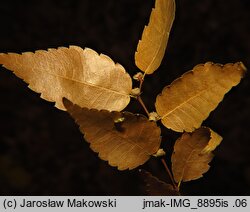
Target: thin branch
x,y
141,79
169,174
143,105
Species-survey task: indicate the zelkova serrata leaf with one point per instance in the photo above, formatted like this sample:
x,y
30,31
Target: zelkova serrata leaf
x,y
98,86
156,187
123,139
81,75
189,160
185,103
152,46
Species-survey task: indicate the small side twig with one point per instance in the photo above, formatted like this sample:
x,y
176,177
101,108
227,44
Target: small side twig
x,y
169,174
143,105
141,79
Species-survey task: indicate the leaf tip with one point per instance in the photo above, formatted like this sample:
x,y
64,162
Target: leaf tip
x,y
242,67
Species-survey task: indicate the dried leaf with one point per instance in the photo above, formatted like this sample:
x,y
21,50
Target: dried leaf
x,y
126,143
83,76
189,161
214,141
152,46
188,100
159,153
156,187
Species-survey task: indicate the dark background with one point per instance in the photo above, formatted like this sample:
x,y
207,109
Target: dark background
x,y
42,151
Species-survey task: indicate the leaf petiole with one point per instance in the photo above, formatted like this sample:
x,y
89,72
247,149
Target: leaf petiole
x,y
143,105
169,174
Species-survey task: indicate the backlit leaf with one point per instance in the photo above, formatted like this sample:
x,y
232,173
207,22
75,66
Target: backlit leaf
x,y
124,139
189,160
83,76
188,101
156,187
214,141
152,46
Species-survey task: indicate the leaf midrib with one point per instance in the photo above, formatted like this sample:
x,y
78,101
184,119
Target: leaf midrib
x,y
187,161
84,82
127,140
188,100
160,45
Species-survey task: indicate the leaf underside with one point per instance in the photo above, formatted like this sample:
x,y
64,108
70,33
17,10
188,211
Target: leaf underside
x,y
156,187
152,46
81,75
123,139
189,160
185,103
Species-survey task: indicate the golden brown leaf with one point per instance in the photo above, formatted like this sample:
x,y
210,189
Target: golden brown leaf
x,y
152,46
188,100
124,140
156,187
189,161
214,141
83,76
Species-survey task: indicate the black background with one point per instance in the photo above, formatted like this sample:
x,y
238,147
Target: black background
x,y
42,151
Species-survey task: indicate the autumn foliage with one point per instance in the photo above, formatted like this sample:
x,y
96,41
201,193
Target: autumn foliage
x,y
94,90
